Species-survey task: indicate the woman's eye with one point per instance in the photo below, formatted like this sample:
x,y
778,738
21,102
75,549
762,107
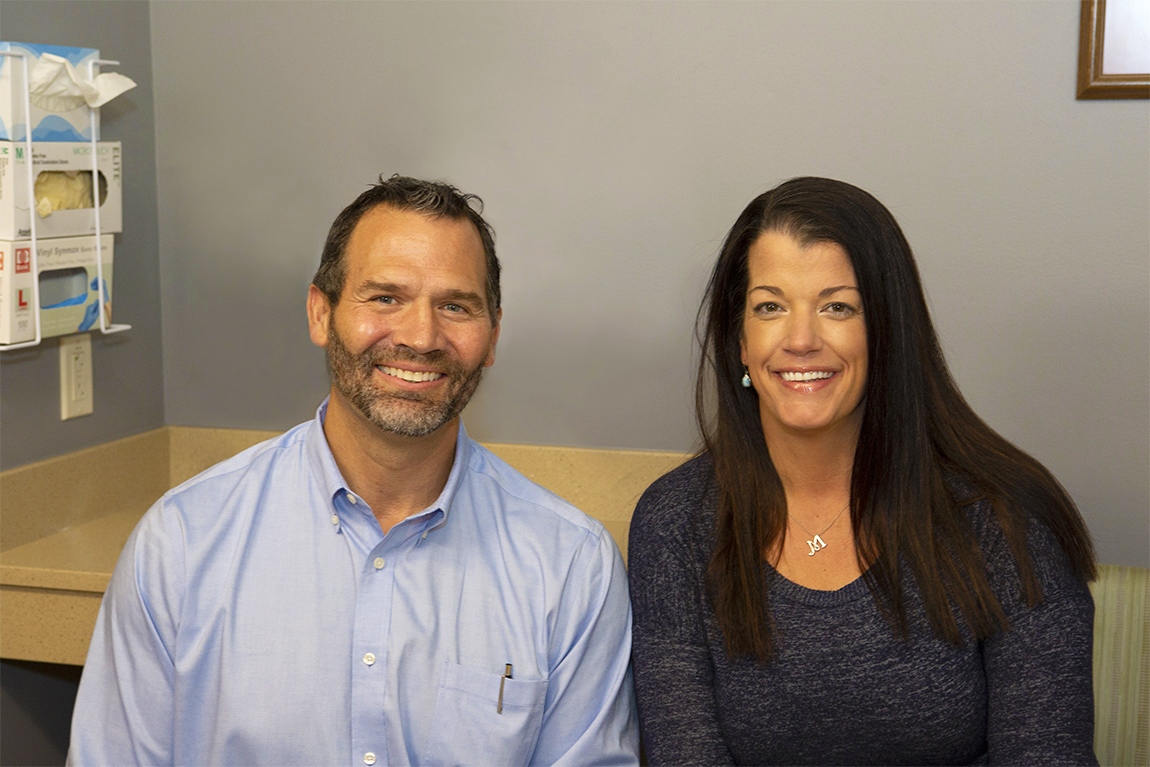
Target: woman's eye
x,y
840,309
768,307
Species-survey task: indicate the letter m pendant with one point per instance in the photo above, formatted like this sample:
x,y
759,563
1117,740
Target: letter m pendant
x,y
815,545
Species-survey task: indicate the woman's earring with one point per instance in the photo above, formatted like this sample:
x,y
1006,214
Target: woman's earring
x,y
746,378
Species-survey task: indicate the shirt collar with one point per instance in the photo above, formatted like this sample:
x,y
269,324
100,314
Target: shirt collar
x,y
455,479
322,461
328,474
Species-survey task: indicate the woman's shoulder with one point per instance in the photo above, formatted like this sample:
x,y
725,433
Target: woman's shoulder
x,y
1052,569
689,485
679,505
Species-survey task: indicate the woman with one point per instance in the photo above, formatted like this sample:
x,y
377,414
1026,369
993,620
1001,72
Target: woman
x,y
856,569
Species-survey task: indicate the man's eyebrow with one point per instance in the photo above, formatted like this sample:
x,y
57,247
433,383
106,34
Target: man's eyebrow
x,y
381,287
463,296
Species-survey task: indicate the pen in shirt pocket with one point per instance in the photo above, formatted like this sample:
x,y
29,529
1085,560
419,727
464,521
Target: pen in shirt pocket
x,y
503,679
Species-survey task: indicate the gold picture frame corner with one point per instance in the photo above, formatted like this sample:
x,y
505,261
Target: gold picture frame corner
x,y
1092,82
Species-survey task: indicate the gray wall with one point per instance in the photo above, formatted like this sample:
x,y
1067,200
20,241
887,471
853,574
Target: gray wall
x,y
614,144
127,376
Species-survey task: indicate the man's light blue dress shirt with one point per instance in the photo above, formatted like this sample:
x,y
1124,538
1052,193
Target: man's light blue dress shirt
x,y
258,615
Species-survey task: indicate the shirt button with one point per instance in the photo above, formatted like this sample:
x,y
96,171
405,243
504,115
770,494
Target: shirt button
x,y
378,563
369,758
335,519
352,499
369,659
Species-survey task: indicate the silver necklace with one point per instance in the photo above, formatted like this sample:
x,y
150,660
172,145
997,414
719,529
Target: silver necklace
x,y
817,544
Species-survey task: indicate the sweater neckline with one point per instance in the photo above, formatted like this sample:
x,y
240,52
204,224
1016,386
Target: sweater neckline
x,y
783,588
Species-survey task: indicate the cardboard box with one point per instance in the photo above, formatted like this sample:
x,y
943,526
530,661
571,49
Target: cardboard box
x,y
73,125
70,298
53,161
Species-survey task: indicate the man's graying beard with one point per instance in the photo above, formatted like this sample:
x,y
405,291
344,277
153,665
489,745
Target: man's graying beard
x,y
406,413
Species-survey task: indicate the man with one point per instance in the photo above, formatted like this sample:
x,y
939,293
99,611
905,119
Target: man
x,y
371,587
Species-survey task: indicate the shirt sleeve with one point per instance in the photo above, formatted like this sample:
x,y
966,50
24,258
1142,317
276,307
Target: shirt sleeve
x,y
674,674
589,715
124,706
1039,673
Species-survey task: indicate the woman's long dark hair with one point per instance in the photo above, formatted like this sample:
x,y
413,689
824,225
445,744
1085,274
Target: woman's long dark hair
x,y
918,436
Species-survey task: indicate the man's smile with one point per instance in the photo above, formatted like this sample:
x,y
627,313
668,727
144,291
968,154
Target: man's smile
x,y
412,376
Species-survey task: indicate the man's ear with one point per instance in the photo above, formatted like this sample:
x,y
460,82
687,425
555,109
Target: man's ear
x,y
318,315
494,338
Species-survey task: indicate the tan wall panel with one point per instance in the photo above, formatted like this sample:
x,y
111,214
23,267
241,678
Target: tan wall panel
x,y
42,498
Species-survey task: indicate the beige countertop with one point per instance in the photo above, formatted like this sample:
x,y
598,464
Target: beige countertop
x,y
50,589
80,558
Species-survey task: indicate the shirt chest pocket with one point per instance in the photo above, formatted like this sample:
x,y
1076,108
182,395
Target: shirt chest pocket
x,y
468,727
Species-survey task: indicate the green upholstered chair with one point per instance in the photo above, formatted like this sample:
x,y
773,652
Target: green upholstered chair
x,y
1122,665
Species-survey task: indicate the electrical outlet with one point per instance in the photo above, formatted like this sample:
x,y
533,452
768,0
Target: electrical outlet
x,y
75,376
